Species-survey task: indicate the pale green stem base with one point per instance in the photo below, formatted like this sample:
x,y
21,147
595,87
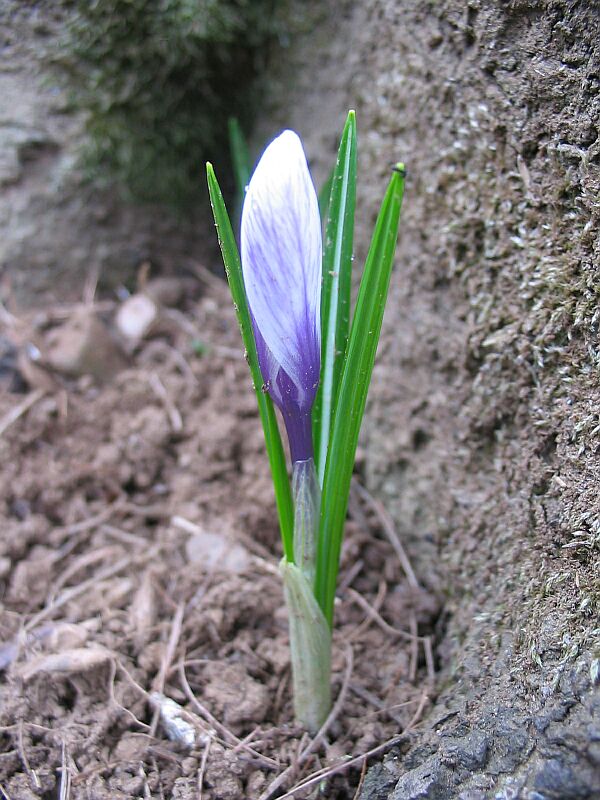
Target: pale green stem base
x,y
310,637
310,645
306,494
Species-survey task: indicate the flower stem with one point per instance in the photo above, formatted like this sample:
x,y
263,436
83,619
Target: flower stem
x,y
306,494
310,636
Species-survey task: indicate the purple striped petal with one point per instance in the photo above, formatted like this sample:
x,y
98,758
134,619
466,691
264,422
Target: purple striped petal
x,y
289,398
281,263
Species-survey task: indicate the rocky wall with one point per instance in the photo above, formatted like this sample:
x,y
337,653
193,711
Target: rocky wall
x,y
58,229
482,429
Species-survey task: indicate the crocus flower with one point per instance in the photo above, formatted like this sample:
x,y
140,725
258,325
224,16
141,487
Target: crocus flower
x,y
281,263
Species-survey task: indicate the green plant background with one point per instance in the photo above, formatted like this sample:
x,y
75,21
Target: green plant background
x,y
157,81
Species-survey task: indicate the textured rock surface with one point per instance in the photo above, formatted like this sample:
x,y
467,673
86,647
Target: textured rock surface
x,y
56,228
482,432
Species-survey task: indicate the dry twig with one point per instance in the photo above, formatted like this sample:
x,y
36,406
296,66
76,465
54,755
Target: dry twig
x,y
427,647
374,614
65,776
75,591
418,712
328,772
350,575
22,408
147,512
381,707
372,611
202,768
173,414
414,649
69,531
389,529
168,656
126,537
80,563
318,738
211,280
363,772
144,777
25,761
115,663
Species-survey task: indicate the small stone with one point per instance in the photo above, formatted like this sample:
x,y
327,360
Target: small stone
x,y
378,784
131,748
215,551
169,291
256,783
177,728
469,752
66,636
136,317
233,695
4,566
558,781
423,782
84,346
189,765
593,752
183,788
221,776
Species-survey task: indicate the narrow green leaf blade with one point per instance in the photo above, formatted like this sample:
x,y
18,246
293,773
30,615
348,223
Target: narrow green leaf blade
x,y
233,268
335,296
240,158
354,385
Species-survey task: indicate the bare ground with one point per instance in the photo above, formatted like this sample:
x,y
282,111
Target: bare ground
x,y
138,555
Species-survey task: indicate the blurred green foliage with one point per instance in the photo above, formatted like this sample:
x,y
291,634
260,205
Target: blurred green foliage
x,y
157,81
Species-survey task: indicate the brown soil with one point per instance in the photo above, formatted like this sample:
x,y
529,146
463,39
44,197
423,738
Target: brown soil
x,y
138,554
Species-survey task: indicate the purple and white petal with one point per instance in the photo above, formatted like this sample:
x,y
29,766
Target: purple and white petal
x,y
281,262
293,401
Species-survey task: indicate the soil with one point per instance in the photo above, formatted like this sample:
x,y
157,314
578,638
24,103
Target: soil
x,y
138,555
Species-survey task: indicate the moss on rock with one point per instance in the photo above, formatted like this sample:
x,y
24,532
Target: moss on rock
x,y
157,82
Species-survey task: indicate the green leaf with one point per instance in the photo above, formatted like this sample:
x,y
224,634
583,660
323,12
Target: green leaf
x,y
233,268
240,158
335,296
352,395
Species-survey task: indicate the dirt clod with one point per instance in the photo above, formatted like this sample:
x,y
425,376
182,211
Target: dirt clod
x,y
84,346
